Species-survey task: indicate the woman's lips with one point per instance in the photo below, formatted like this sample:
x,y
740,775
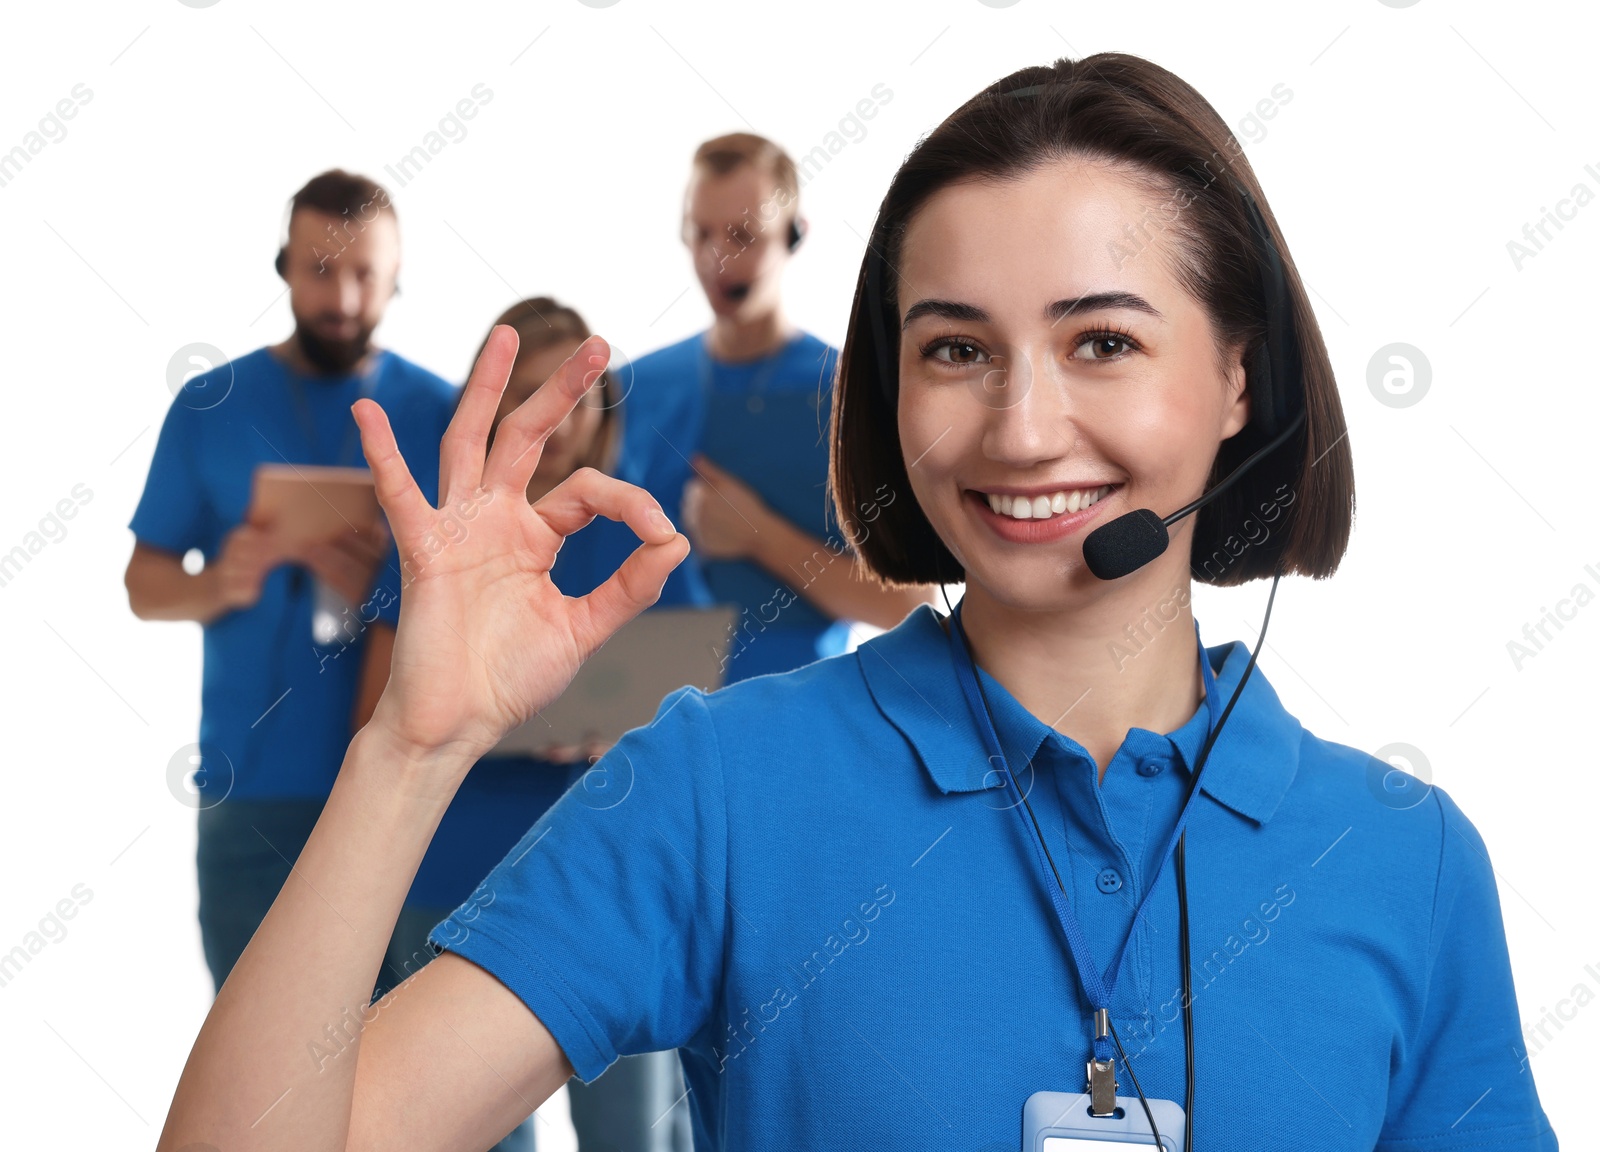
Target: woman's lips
x,y
1034,531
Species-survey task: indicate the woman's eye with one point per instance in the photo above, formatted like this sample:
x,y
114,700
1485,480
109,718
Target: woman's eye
x,y
961,352
1109,342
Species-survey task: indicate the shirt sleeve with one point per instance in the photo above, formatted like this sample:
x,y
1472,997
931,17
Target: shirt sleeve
x,y
173,513
1462,1080
608,918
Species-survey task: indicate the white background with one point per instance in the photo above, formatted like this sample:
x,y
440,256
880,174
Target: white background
x,y
1417,143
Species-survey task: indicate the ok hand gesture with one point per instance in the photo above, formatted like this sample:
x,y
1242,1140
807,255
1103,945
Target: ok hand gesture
x,y
485,638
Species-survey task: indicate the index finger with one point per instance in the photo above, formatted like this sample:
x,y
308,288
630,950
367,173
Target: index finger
x,y
398,495
461,450
519,441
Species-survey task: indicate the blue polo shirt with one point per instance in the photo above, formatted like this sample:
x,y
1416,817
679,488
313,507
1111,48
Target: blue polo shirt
x,y
276,707
502,796
766,422
811,886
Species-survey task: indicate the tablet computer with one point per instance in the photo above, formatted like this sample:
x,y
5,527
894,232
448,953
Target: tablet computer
x,y
304,504
620,686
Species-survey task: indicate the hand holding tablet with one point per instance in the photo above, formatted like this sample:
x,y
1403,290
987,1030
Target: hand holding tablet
x,y
305,505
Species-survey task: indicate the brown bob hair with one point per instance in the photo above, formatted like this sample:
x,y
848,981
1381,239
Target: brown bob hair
x,y
1122,109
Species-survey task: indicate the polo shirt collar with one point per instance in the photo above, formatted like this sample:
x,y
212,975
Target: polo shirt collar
x,y
912,677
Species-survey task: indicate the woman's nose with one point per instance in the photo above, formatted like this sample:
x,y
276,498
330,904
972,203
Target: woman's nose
x,y
1027,414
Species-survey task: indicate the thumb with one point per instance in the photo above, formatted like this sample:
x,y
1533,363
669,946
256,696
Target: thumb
x,y
629,590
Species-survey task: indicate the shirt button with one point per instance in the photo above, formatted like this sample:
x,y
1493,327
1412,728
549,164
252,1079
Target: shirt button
x,y
1108,880
1150,767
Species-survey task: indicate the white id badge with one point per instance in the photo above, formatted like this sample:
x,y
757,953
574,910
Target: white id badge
x,y
1060,1122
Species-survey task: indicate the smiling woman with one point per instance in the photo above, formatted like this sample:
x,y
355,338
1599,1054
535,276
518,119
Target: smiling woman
x,y
1025,802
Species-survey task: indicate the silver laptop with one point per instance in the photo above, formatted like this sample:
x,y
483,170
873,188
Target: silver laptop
x,y
620,686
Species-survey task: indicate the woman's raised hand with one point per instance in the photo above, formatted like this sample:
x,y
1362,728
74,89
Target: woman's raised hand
x,y
485,638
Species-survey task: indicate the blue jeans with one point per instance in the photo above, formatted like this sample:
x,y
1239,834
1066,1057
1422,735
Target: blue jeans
x,y
242,860
637,1105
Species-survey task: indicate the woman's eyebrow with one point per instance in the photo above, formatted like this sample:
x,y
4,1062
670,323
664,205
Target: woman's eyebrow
x,y
1055,313
948,309
1099,301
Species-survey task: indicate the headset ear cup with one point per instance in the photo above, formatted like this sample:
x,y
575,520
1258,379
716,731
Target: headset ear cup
x,y
1265,412
282,261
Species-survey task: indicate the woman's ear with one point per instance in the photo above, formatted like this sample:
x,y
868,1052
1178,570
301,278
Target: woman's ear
x,y
1237,416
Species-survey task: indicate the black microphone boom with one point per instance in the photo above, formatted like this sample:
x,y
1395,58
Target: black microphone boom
x,y
1135,538
1125,544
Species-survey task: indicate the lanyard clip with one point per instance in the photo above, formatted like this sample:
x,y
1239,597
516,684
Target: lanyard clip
x,y
1102,1086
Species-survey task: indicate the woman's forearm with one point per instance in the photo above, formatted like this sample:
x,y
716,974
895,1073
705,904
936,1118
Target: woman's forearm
x,y
274,1064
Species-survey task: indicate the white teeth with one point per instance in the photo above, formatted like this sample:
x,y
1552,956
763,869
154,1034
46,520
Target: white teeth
x,y
1043,507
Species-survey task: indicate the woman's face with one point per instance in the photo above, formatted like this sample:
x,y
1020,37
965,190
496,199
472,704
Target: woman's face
x,y
1051,365
570,444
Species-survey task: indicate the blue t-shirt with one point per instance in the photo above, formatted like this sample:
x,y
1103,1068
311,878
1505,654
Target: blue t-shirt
x,y
815,892
276,707
766,422
502,796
